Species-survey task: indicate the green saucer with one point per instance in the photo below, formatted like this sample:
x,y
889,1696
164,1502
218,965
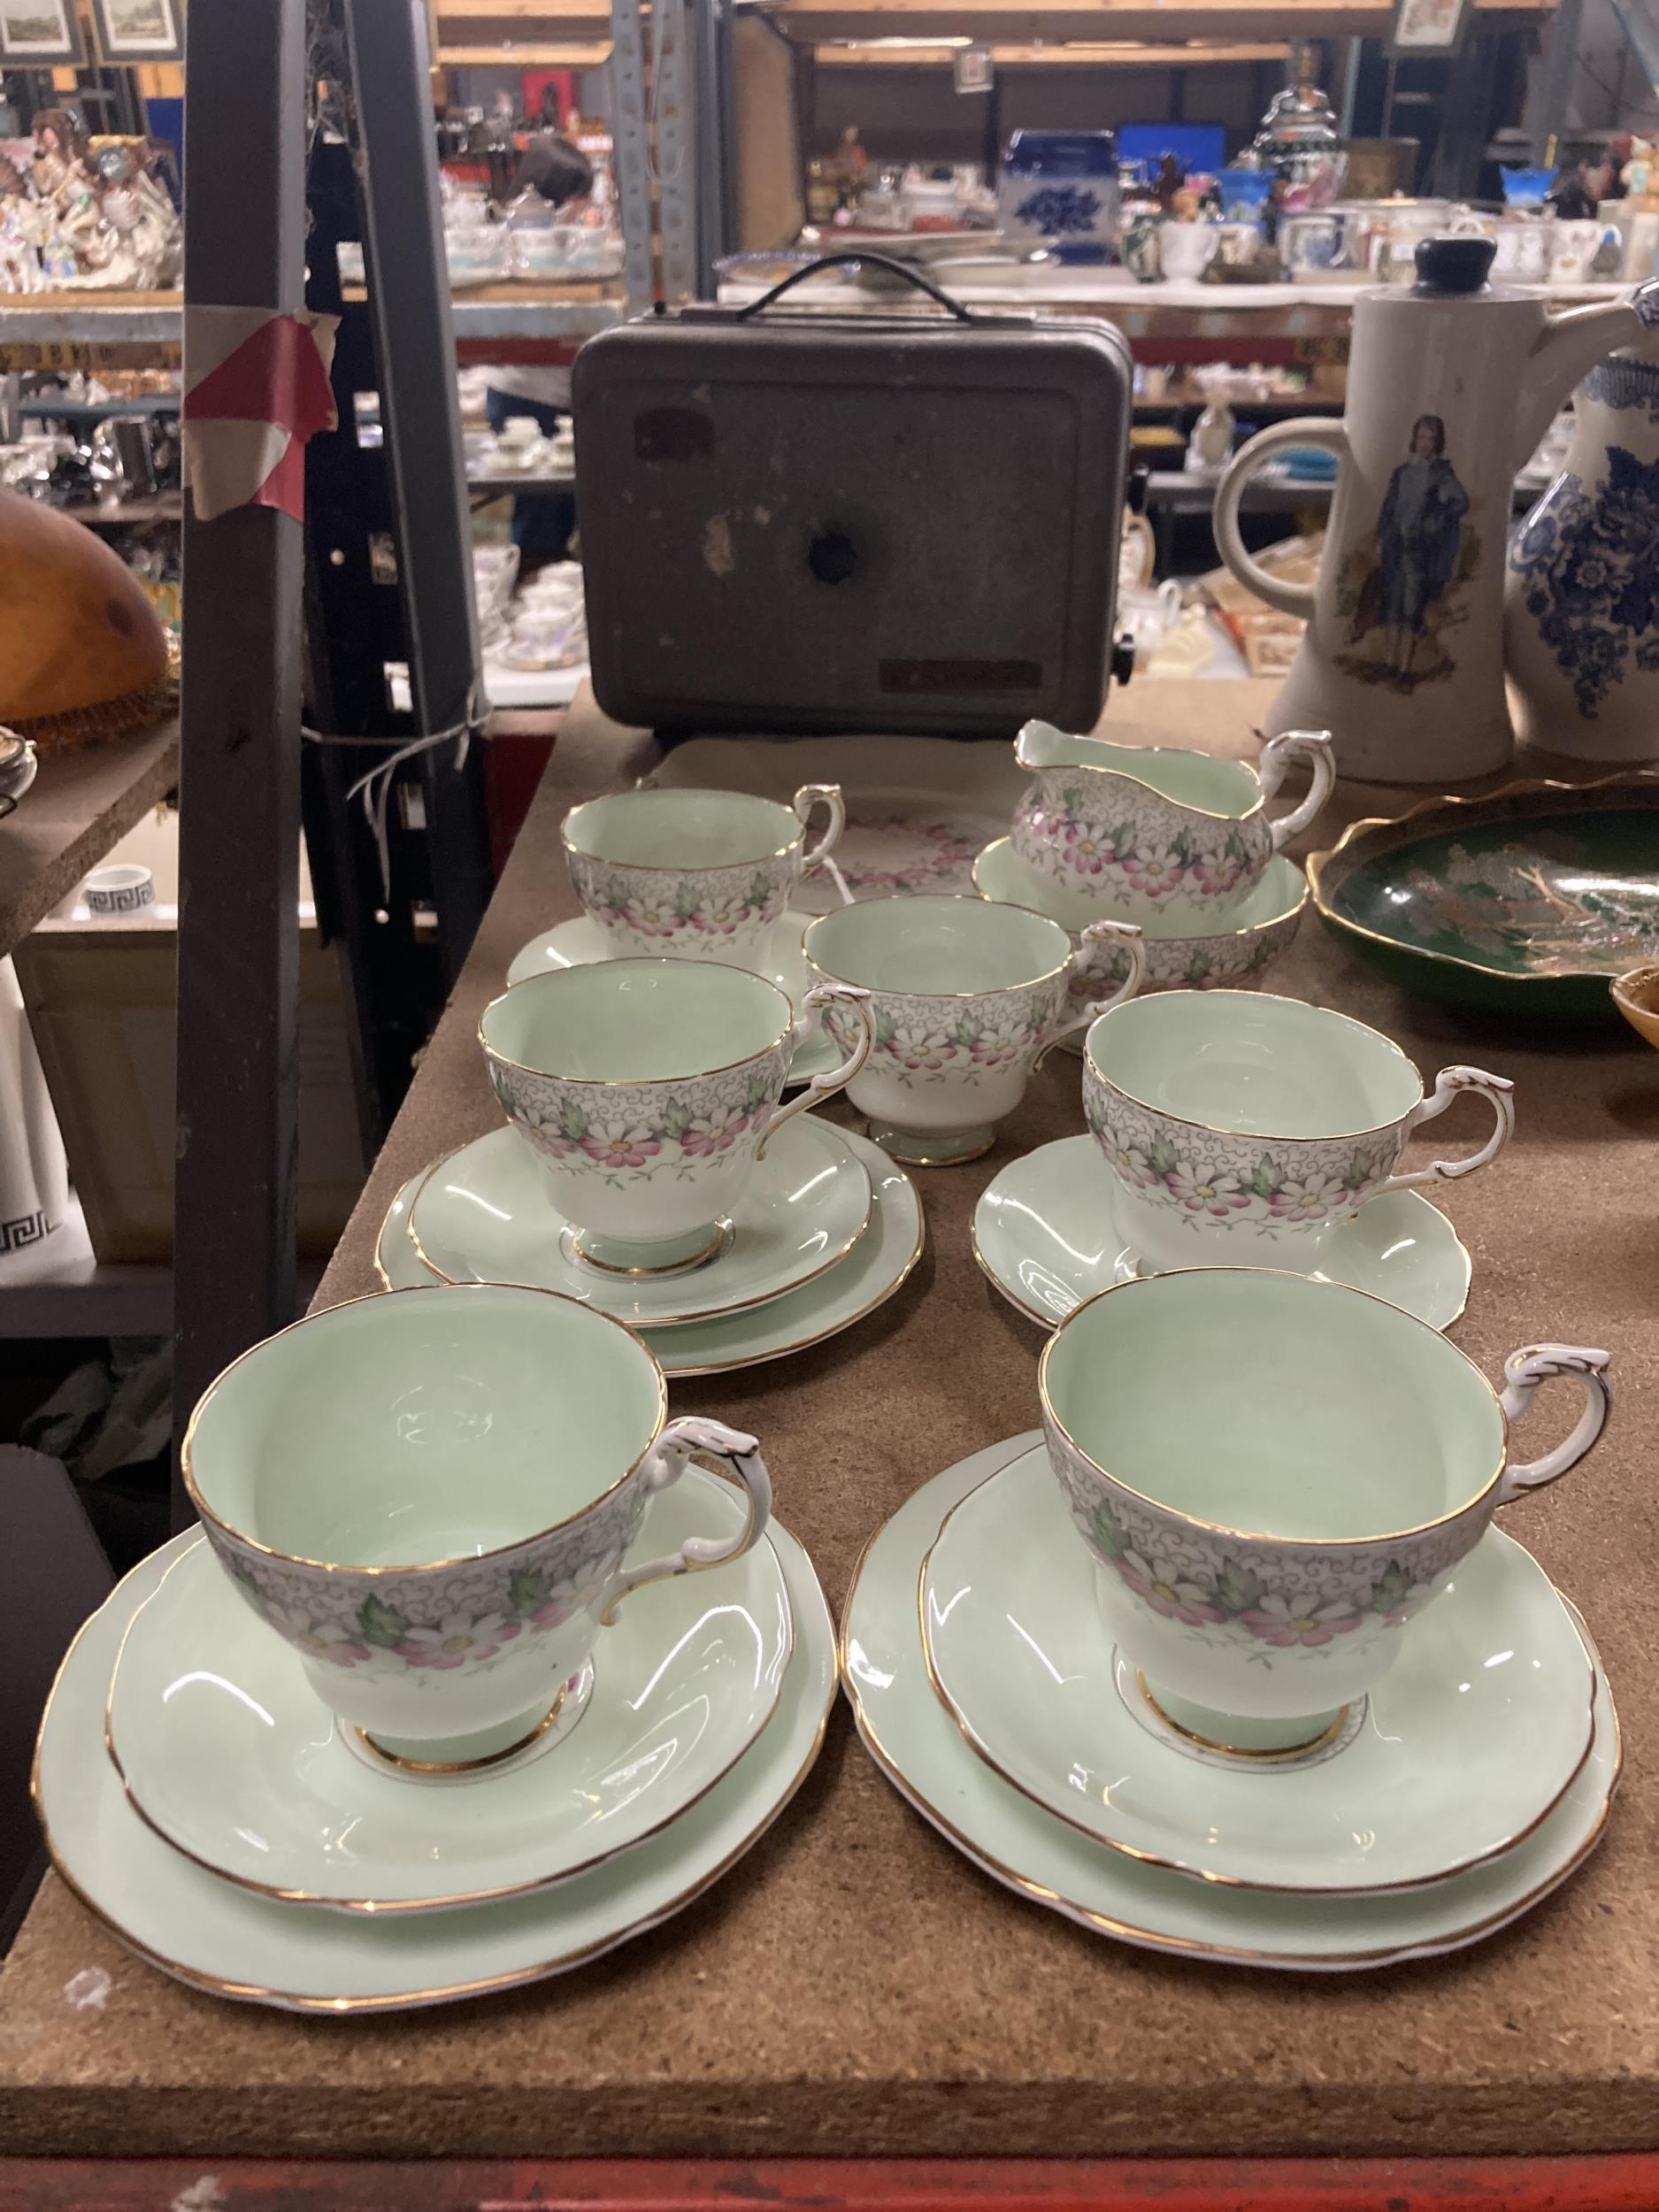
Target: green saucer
x,y
867,1278
924,1754
1475,1732
1528,900
220,1937
1049,1232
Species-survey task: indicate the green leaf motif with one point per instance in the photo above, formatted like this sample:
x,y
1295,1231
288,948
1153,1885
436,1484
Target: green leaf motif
x,y
1163,1155
1265,1177
1359,1172
1391,1588
677,1118
573,1121
527,1589
886,1029
1236,1589
685,902
1107,1534
380,1625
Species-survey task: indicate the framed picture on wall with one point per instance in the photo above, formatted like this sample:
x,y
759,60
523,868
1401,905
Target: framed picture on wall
x,y
137,30
40,33
1426,27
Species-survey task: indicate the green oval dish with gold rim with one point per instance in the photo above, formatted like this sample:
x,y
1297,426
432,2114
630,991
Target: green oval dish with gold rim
x,y
1529,898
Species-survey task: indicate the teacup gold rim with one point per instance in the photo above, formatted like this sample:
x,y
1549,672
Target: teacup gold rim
x,y
427,1566
1258,1536
982,1751
1128,1930
1318,864
383,1908
671,867
937,898
1249,929
1264,1136
629,1082
1128,775
195,1977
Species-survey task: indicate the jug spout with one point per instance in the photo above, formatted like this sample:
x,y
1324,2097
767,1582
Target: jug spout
x,y
1564,353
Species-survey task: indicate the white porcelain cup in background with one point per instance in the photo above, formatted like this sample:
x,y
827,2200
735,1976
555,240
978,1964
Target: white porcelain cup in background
x,y
1188,249
122,887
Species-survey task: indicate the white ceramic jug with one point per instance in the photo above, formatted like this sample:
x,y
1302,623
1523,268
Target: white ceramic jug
x,y
1451,385
1581,605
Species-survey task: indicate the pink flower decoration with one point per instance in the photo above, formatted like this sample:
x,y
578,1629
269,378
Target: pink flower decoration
x,y
317,1639
1202,1192
1307,1198
618,1146
457,1641
1275,1622
713,1133
1161,1583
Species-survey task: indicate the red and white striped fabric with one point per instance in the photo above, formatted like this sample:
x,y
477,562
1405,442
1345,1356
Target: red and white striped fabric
x,y
256,387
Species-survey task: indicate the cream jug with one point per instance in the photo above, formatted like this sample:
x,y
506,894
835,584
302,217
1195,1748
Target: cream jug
x,y
1451,385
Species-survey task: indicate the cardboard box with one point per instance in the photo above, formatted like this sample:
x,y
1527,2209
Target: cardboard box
x,y
101,1001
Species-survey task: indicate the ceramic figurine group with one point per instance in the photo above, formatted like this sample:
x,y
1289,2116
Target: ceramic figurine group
x,y
1229,1658
80,221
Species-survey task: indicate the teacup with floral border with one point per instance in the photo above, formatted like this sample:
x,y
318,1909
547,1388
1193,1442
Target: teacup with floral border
x,y
648,1088
1275,1476
428,1496
965,994
1240,1125
696,875
1141,832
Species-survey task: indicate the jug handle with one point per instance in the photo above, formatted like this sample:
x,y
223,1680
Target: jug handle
x,y
1303,430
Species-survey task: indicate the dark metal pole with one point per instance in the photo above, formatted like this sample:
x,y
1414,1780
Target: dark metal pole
x,y
233,1279
420,415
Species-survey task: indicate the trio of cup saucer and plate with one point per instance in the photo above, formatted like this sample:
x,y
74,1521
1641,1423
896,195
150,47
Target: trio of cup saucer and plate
x,y
1229,1765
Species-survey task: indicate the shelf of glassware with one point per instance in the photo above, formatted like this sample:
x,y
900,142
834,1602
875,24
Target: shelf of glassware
x,y
45,324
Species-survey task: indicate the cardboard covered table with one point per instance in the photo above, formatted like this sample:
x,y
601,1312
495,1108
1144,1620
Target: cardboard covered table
x,y
853,1987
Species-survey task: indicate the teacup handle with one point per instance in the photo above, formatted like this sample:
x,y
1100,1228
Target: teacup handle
x,y
1129,935
669,1457
822,1086
1449,1085
1313,748
814,795
1523,1372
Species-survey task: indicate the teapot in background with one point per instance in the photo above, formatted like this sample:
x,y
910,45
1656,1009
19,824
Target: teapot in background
x,y
1451,385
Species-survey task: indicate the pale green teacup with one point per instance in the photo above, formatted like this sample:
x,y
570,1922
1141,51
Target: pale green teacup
x,y
1275,1476
648,1090
696,875
965,994
1240,1125
428,1495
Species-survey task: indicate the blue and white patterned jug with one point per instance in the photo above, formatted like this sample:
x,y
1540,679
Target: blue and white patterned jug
x,y
1581,599
1058,189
